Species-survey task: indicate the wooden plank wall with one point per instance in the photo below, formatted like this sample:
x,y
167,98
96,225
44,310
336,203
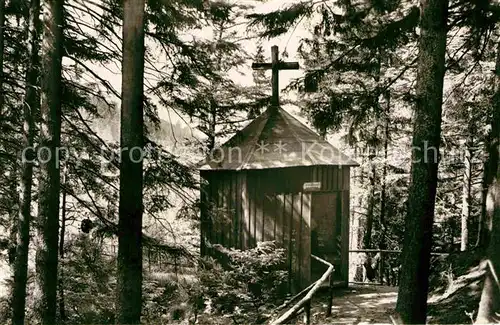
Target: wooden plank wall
x,y
262,205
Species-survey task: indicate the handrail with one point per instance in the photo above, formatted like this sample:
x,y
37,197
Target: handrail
x,y
289,301
382,253
307,298
372,250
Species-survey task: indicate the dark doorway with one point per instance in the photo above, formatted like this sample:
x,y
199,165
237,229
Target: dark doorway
x,y
326,218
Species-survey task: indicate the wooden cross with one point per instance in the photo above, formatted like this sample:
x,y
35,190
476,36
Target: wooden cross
x,y
276,65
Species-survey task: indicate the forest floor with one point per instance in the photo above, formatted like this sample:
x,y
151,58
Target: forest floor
x,y
454,298
358,304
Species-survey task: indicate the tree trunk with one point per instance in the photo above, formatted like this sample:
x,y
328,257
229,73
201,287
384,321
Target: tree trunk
x,y
62,309
13,212
483,231
359,230
12,181
367,238
489,306
30,108
2,31
383,193
414,281
129,284
49,181
491,162
466,190
212,125
357,227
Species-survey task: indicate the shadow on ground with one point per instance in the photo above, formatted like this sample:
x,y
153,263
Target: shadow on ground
x,y
358,304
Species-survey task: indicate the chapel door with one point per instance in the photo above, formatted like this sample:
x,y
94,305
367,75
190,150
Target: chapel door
x,y
326,216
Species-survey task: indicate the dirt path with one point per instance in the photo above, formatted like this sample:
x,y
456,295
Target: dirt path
x,y
356,305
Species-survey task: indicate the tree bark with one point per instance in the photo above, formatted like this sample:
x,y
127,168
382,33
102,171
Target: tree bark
x,y
489,306
367,238
483,231
129,284
466,192
212,125
31,105
214,110
2,32
357,227
414,281
62,309
383,193
49,181
491,162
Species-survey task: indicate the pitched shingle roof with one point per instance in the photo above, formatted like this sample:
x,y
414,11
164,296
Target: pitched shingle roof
x,y
275,139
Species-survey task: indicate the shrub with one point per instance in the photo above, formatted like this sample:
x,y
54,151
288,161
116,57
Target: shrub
x,y
244,288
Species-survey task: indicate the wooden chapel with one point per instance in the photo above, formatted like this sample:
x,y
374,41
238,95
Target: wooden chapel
x,y
276,179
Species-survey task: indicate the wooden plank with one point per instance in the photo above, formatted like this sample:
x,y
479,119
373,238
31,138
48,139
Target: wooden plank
x,y
251,208
274,215
338,223
255,202
260,215
237,210
329,178
279,225
347,177
305,241
227,207
245,216
228,224
288,230
257,217
316,173
345,238
338,178
223,208
266,215
214,203
324,178
296,225
203,212
234,217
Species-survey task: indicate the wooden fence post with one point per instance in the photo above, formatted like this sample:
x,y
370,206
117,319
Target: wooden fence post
x,y
307,315
381,268
330,298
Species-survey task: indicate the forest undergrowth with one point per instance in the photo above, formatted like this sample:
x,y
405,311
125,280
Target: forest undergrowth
x,y
455,288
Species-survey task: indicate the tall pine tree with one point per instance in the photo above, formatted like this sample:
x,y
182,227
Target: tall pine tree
x,y
49,177
414,277
31,106
129,282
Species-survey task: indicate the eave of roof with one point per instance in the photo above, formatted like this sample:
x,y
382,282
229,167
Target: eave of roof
x,y
275,139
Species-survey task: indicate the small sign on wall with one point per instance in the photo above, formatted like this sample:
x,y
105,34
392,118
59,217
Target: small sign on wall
x,y
312,186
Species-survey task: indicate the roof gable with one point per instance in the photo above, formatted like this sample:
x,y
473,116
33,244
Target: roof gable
x,y
275,139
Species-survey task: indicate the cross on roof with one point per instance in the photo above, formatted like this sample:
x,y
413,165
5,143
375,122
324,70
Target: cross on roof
x,y
276,65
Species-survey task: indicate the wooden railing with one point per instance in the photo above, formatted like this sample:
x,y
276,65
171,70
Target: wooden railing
x,y
381,267
305,303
